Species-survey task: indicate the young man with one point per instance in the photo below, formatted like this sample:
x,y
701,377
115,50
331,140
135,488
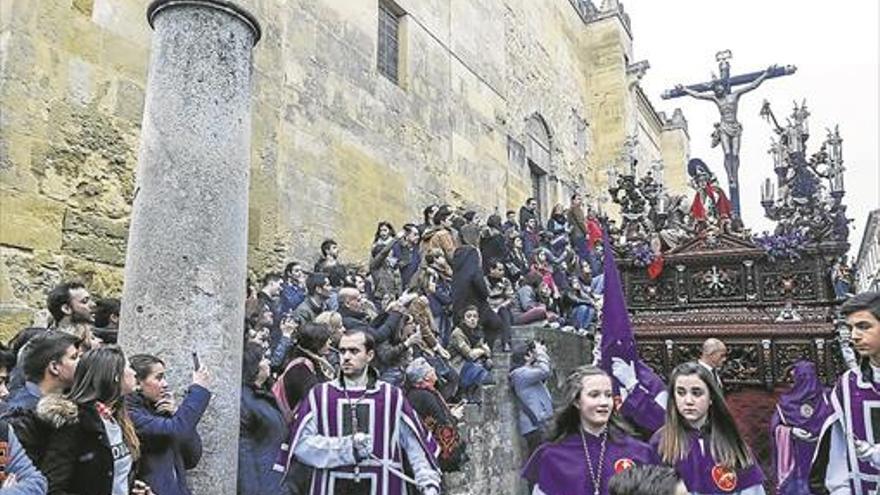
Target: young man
x,y
410,254
49,364
107,320
527,212
70,303
293,288
318,289
510,221
329,256
346,430
847,460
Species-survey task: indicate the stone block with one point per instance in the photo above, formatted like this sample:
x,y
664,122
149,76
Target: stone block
x,y
13,319
30,221
95,238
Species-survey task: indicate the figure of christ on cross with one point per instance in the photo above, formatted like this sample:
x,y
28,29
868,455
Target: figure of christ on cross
x,y
728,130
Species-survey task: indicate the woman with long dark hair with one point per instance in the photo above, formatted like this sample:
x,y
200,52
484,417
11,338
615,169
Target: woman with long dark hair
x,y
589,443
94,446
701,440
170,443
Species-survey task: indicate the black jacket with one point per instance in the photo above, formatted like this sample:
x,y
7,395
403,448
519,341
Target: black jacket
x,y
468,283
78,459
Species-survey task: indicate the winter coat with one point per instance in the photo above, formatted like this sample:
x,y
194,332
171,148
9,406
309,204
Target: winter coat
x,y
528,383
578,222
169,444
291,297
439,237
462,350
525,215
307,311
78,458
25,397
384,269
15,462
468,283
262,431
492,246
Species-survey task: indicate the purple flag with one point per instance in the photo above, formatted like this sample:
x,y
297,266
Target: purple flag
x,y
618,340
617,334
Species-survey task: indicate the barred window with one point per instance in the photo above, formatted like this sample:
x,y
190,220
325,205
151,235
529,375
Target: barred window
x,y
388,52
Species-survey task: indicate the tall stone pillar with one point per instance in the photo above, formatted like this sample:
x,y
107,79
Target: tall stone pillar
x,y
185,266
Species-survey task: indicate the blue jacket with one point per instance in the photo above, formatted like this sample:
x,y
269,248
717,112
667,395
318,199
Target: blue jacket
x,y
169,445
262,431
29,480
24,398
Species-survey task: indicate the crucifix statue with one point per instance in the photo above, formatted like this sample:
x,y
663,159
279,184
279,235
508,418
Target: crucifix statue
x,y
724,92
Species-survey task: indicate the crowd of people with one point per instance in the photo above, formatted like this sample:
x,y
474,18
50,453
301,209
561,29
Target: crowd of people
x,y
355,377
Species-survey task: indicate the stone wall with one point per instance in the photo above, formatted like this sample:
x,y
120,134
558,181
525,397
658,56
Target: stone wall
x,y
336,146
71,90
495,447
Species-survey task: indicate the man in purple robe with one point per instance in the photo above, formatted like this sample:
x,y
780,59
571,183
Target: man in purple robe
x,y
847,461
642,393
357,431
795,428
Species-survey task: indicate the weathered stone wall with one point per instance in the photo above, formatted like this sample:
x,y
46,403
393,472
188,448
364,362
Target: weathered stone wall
x,y
71,93
336,146
495,447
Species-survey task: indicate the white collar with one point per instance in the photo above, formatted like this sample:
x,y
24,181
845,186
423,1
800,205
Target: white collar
x,y
704,365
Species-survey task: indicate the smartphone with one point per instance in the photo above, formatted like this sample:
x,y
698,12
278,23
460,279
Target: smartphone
x,y
196,364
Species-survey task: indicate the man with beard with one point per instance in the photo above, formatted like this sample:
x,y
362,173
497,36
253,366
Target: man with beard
x,y
73,311
71,304
347,430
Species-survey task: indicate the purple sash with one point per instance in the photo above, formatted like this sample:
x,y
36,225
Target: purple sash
x,y
379,411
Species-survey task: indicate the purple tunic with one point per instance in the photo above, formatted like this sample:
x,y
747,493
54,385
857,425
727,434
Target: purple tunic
x,y
857,407
701,474
805,406
380,410
560,468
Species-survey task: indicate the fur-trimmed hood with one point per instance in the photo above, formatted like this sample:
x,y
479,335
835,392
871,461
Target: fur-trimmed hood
x,y
58,411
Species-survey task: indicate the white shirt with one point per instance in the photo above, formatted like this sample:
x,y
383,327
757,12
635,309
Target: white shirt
x,y
121,457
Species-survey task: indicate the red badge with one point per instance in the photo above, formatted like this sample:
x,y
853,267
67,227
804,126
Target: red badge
x,y
724,478
623,464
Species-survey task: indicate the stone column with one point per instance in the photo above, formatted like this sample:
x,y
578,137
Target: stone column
x,y
186,261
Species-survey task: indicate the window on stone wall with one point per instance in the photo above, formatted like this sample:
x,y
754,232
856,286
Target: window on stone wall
x,y
388,55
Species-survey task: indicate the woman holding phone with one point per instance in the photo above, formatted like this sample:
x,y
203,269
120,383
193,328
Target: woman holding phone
x,y
170,444
93,448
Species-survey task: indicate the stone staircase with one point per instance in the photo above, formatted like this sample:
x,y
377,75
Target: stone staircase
x,y
494,445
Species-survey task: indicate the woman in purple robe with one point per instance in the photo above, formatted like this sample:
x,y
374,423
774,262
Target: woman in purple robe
x,y
589,444
701,440
795,428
